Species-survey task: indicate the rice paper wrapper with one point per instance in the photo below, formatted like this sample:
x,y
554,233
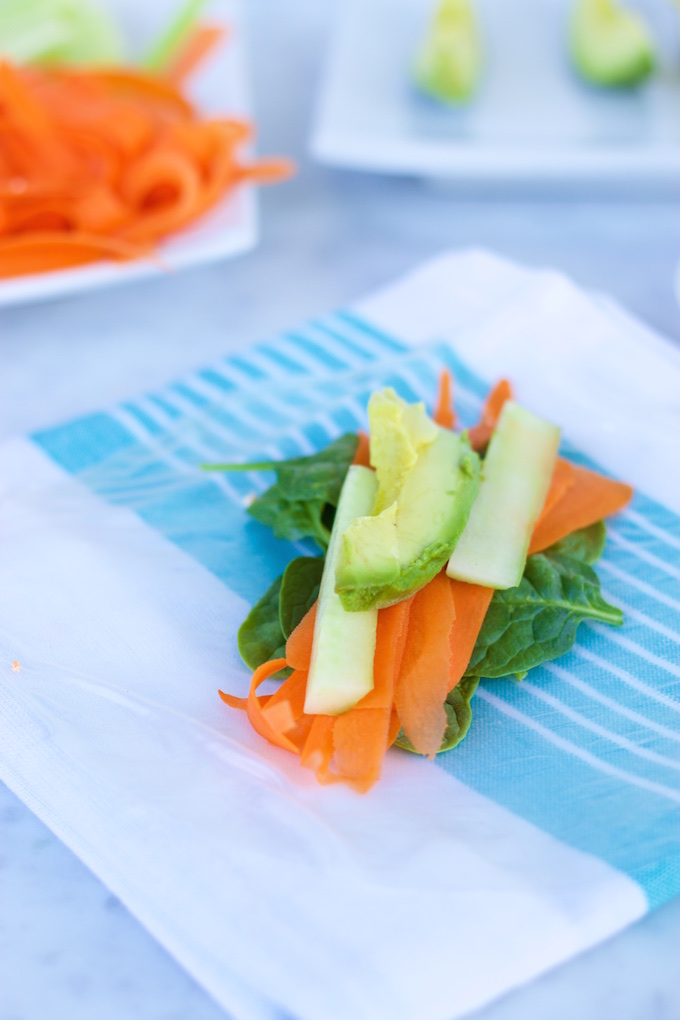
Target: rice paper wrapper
x,y
128,571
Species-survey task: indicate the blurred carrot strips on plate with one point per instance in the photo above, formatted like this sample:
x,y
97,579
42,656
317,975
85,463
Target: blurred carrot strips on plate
x,y
104,164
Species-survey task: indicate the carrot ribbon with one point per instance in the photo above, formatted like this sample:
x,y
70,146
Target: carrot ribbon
x,y
105,164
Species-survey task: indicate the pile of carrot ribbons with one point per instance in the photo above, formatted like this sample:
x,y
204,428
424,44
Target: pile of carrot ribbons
x,y
424,644
105,163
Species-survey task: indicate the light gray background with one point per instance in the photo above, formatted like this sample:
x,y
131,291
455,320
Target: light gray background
x,y
68,949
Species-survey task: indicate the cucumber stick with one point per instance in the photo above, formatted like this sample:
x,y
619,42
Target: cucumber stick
x,y
516,475
341,668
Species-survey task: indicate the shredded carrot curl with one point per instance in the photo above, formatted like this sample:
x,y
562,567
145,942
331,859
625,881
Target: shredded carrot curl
x,y
105,164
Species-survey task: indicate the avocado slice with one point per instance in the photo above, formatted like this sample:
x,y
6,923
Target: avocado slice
x,y
333,686
431,476
449,59
399,433
516,475
610,45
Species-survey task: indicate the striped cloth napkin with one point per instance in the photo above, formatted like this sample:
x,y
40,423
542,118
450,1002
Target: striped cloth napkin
x,y
128,570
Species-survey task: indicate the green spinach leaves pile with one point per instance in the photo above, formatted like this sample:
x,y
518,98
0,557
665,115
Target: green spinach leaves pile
x,y
524,626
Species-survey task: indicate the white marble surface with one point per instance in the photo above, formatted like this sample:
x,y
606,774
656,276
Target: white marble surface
x,y
69,949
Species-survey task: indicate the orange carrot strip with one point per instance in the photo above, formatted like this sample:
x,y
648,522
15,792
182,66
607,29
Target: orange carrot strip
x,y
444,414
284,710
262,673
100,210
202,140
19,105
390,643
289,697
480,434
188,213
561,481
360,742
45,220
589,499
255,706
31,119
361,736
106,163
362,457
235,702
318,749
40,216
38,252
198,47
165,189
193,202
99,161
471,602
268,171
423,682
299,643
280,717
128,129
233,129
133,84
394,727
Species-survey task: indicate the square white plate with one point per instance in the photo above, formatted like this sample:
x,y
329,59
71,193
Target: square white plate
x,y
229,229
532,120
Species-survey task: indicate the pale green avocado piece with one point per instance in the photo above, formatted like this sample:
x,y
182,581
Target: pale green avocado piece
x,y
337,679
516,475
448,62
421,527
610,45
370,544
399,431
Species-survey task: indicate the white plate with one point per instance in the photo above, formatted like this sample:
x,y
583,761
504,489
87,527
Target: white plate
x,y
531,121
219,88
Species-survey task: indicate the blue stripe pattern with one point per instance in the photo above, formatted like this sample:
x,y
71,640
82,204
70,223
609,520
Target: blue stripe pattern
x,y
588,747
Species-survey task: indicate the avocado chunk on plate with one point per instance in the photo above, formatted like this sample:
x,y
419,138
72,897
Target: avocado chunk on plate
x,y
610,45
448,62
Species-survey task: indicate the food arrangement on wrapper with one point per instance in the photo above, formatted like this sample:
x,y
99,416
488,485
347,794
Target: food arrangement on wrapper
x,y
448,558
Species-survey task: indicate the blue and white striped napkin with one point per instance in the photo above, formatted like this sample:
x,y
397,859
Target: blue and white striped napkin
x,y
552,826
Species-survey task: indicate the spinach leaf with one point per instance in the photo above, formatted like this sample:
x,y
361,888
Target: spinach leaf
x,y
299,591
537,620
296,505
458,716
291,519
260,636
321,475
585,545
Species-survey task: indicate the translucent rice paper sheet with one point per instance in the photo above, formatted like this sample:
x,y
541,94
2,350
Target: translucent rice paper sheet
x,y
128,571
